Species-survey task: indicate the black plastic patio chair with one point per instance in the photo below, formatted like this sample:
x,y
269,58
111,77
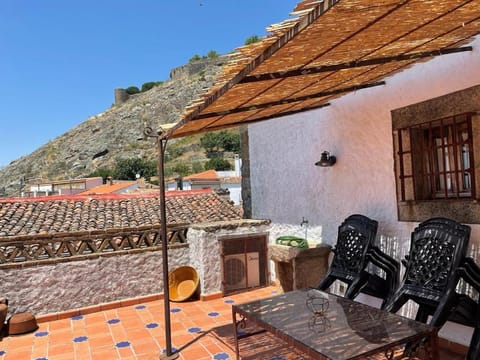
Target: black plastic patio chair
x,y
467,311
437,251
353,252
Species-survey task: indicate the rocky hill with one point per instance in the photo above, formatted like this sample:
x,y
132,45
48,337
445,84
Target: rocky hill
x,y
116,133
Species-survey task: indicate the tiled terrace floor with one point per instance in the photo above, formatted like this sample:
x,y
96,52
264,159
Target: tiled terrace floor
x,y
200,330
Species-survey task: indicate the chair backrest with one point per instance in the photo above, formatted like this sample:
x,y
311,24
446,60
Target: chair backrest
x,y
438,246
355,235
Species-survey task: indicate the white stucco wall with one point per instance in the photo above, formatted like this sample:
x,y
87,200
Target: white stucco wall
x,y
357,130
205,252
235,192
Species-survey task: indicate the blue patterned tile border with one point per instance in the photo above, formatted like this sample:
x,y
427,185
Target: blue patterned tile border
x,y
221,356
122,344
79,339
41,333
174,350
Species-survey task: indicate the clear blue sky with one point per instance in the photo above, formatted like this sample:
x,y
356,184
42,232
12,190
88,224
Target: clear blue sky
x,y
61,60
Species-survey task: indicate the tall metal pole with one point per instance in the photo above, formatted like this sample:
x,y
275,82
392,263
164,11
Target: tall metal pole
x,y
163,222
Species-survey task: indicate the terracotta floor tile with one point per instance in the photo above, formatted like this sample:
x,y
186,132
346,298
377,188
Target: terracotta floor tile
x,y
17,355
195,353
145,347
60,352
105,355
101,341
122,333
125,352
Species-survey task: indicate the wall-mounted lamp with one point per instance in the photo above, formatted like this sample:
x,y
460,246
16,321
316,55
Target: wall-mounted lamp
x,y
326,159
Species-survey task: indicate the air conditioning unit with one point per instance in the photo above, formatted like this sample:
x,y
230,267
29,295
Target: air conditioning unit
x,y
241,271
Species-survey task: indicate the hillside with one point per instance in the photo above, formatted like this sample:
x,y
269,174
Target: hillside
x,y
116,133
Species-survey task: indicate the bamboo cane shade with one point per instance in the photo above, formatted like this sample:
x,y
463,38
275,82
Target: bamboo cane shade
x,y
325,50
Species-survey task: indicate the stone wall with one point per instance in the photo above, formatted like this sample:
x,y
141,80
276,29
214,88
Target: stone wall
x,y
56,287
196,67
60,284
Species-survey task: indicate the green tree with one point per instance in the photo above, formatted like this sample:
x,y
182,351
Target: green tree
x,y
177,169
218,164
252,39
175,150
231,141
211,141
132,90
197,167
221,141
127,169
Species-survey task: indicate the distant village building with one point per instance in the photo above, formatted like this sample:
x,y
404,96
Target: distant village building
x,y
113,187
230,181
62,187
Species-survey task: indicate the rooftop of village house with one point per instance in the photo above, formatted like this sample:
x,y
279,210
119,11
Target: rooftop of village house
x,y
75,213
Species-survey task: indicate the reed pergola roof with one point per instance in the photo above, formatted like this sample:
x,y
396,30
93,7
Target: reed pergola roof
x,y
325,50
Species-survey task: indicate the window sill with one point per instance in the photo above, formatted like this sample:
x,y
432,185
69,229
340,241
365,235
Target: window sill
x,y
461,210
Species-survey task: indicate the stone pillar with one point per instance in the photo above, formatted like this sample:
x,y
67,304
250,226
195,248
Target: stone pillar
x,y
246,185
299,268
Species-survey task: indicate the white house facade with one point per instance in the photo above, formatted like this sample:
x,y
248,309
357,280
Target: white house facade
x,y
358,130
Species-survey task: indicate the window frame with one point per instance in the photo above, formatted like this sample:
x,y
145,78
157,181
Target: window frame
x,y
432,163
410,207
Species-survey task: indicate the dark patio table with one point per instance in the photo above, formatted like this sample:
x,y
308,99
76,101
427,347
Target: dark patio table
x,y
345,330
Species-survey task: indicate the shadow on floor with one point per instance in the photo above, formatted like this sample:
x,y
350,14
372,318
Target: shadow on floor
x,y
266,346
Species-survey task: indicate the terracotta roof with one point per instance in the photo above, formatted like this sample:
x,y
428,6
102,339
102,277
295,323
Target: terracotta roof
x,y
69,214
231,180
107,188
205,175
326,50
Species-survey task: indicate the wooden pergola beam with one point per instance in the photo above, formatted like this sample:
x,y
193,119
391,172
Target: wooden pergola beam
x,y
213,127
352,64
287,101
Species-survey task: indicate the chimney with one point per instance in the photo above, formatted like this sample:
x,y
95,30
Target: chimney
x,y
238,165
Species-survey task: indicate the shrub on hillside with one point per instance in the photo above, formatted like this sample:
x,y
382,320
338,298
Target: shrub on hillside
x,y
148,85
132,90
178,169
127,169
218,164
212,54
195,58
252,39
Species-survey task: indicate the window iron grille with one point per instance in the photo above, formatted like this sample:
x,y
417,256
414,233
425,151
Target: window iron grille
x,y
436,159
